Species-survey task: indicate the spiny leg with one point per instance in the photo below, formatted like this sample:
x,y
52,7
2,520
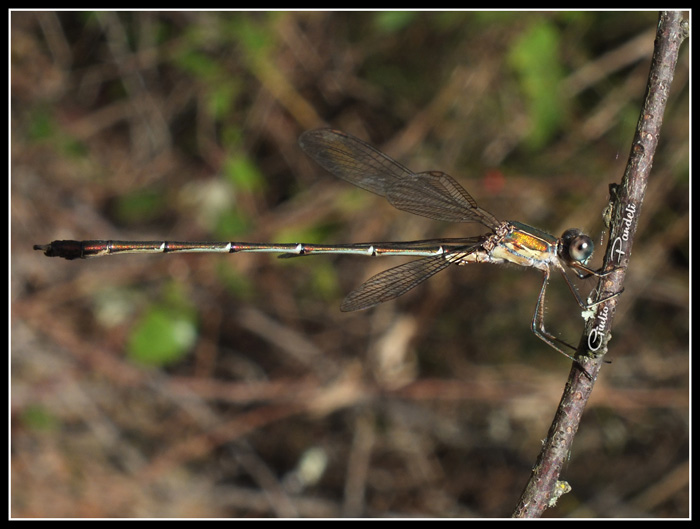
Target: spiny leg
x,y
538,321
589,272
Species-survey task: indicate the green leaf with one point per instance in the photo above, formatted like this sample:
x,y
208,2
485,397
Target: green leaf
x,y
162,337
140,206
535,58
243,173
392,21
37,417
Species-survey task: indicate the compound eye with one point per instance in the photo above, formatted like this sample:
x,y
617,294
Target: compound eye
x,y
581,248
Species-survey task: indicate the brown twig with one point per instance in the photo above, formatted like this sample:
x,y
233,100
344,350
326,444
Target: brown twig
x,y
544,486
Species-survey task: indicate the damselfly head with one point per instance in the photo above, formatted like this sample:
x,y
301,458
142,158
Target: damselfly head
x,y
575,246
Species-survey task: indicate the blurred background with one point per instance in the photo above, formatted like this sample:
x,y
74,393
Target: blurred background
x,y
232,386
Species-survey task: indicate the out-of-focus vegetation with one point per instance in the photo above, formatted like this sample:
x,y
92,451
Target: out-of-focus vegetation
x,y
214,385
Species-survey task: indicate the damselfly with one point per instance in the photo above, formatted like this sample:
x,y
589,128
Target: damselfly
x,y
432,194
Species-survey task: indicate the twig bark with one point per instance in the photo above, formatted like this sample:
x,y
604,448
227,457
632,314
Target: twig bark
x,y
544,486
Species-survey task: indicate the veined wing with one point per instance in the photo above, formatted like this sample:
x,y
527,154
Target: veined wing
x,y
432,194
394,282
352,160
438,196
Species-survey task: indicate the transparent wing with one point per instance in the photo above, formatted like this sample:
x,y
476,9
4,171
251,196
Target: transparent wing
x,y
352,160
432,194
438,196
394,282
